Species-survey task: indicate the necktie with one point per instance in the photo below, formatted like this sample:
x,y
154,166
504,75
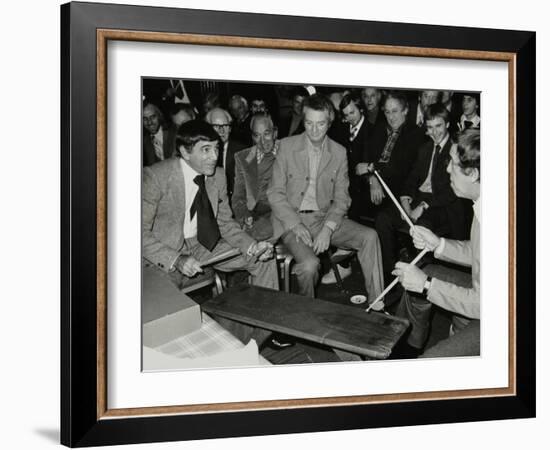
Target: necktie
x,y
208,232
434,163
388,148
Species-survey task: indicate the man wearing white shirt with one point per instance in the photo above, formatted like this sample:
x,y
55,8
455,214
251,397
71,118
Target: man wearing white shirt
x,y
452,290
186,217
427,196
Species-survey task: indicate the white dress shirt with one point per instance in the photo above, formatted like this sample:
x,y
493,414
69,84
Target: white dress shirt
x,y
191,189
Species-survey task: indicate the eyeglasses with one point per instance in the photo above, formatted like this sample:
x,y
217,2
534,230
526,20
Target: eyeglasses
x,y
221,126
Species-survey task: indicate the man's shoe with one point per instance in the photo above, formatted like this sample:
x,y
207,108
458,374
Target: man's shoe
x,y
330,278
280,341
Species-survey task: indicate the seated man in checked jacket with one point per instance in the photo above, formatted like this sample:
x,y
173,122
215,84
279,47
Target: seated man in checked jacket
x,y
253,169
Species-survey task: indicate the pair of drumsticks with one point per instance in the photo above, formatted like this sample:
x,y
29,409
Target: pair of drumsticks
x,y
408,220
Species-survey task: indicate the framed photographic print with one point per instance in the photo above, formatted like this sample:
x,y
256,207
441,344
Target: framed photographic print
x,y
151,351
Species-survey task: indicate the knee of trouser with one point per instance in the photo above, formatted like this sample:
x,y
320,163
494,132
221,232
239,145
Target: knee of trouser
x,y
382,220
368,236
310,266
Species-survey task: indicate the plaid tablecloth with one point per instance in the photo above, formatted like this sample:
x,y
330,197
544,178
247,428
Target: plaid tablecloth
x,y
209,340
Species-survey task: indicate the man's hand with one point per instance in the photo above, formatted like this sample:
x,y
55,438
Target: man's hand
x,y
416,213
424,238
262,250
322,241
376,191
363,168
302,234
411,277
189,266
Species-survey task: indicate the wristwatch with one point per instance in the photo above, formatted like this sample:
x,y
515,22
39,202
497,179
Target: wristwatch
x,y
427,285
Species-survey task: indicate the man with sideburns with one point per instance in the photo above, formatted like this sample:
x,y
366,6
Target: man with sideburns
x,y
309,201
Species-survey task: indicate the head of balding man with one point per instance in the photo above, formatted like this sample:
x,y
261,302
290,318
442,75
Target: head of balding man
x,y
264,133
220,120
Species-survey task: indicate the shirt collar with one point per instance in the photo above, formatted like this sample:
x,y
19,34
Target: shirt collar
x,y
475,120
312,148
358,126
188,172
443,142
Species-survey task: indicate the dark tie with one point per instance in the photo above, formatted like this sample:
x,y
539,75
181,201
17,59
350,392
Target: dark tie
x,y
208,232
435,161
468,124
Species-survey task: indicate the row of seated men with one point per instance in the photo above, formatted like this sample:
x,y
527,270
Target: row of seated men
x,y
298,190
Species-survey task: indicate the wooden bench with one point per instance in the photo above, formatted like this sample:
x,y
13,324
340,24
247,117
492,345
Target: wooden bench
x,y
345,327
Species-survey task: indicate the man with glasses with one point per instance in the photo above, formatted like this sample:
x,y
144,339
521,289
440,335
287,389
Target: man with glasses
x,y
253,169
221,121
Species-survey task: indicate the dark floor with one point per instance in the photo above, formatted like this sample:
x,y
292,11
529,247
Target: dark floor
x,y
303,352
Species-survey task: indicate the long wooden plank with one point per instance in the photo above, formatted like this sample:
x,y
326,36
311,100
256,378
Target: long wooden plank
x,y
339,326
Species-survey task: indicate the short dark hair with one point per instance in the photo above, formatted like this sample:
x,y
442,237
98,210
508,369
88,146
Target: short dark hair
x,y
437,110
468,150
347,99
189,133
186,107
399,96
319,102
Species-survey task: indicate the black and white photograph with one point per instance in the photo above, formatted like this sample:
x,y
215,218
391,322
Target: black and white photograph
x,y
303,223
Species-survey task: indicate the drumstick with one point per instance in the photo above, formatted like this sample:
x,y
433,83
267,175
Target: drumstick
x,y
394,282
217,258
399,207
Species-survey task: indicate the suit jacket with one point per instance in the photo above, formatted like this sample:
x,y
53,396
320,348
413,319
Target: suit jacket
x,y
442,193
402,158
290,180
163,212
246,190
233,147
356,150
168,146
455,298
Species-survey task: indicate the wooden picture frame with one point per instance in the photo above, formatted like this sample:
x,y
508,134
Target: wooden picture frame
x,y
85,417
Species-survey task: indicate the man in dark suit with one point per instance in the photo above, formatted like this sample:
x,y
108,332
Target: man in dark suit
x,y
356,146
372,98
159,142
238,107
253,170
221,121
427,196
391,150
293,124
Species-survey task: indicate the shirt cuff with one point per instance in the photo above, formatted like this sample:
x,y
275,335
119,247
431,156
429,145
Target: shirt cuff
x,y
406,197
440,248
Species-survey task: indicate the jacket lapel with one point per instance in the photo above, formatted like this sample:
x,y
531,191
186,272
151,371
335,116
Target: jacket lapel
x,y
212,191
179,184
251,178
326,156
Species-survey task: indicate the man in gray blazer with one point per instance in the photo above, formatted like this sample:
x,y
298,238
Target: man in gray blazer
x,y
309,200
186,215
253,169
